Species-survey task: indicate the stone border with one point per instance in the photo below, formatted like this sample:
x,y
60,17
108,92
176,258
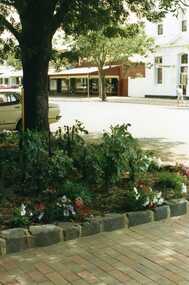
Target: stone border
x,y
19,239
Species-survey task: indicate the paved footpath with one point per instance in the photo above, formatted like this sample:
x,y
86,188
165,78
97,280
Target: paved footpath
x,y
156,253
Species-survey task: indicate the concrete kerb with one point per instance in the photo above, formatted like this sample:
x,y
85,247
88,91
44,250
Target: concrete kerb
x,y
19,239
178,207
140,217
45,235
161,213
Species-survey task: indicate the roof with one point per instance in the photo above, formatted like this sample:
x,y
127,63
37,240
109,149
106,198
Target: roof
x,y
7,74
79,70
71,71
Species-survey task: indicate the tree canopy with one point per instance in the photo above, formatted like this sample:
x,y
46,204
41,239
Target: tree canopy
x,y
100,49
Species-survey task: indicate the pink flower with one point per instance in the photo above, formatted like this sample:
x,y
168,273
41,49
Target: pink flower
x,y
39,206
79,203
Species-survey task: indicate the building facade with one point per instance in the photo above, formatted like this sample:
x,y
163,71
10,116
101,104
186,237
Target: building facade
x,y
84,81
168,66
81,81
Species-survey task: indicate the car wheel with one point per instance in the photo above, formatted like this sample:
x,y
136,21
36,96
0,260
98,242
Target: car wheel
x,y
19,126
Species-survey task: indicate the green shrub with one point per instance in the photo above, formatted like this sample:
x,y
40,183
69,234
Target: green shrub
x,y
170,184
116,151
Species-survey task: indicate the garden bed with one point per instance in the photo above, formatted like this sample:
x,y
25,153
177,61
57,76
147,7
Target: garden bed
x,y
63,187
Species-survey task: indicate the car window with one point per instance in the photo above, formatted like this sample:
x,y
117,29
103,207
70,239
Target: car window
x,y
8,99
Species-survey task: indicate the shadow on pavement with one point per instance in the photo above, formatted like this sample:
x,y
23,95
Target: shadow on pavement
x,y
168,150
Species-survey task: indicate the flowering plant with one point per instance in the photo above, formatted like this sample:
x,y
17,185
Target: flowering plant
x,y
21,217
65,207
148,197
82,210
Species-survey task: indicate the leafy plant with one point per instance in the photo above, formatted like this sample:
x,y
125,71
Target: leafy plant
x,y
33,162
170,184
60,169
19,220
70,140
74,190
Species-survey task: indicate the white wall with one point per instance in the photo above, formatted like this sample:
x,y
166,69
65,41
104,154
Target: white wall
x,y
171,45
136,87
171,67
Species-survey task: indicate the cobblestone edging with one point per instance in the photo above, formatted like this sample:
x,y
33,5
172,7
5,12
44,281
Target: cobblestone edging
x,y
19,239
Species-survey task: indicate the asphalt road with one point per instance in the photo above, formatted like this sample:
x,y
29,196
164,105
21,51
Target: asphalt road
x,y
163,128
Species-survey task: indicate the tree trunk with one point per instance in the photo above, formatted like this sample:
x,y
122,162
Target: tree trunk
x,y
102,87
36,48
35,82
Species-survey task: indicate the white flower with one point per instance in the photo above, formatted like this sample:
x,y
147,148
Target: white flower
x,y
159,194
71,209
23,210
157,161
160,201
135,190
66,213
183,188
150,158
64,199
147,202
40,216
137,196
155,200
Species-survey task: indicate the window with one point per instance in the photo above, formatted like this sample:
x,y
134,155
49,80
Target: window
x,y
94,85
53,85
184,72
158,60
184,26
6,81
184,58
159,75
81,83
64,85
158,70
160,29
17,80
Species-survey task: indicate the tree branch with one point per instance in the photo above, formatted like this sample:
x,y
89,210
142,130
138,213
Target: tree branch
x,y
10,27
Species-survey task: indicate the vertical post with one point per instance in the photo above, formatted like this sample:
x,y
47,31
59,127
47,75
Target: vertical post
x,y
69,86
88,86
23,108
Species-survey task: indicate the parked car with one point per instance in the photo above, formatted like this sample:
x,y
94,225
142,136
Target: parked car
x,y
11,110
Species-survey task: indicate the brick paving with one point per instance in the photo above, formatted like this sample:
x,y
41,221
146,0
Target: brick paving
x,y
156,253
